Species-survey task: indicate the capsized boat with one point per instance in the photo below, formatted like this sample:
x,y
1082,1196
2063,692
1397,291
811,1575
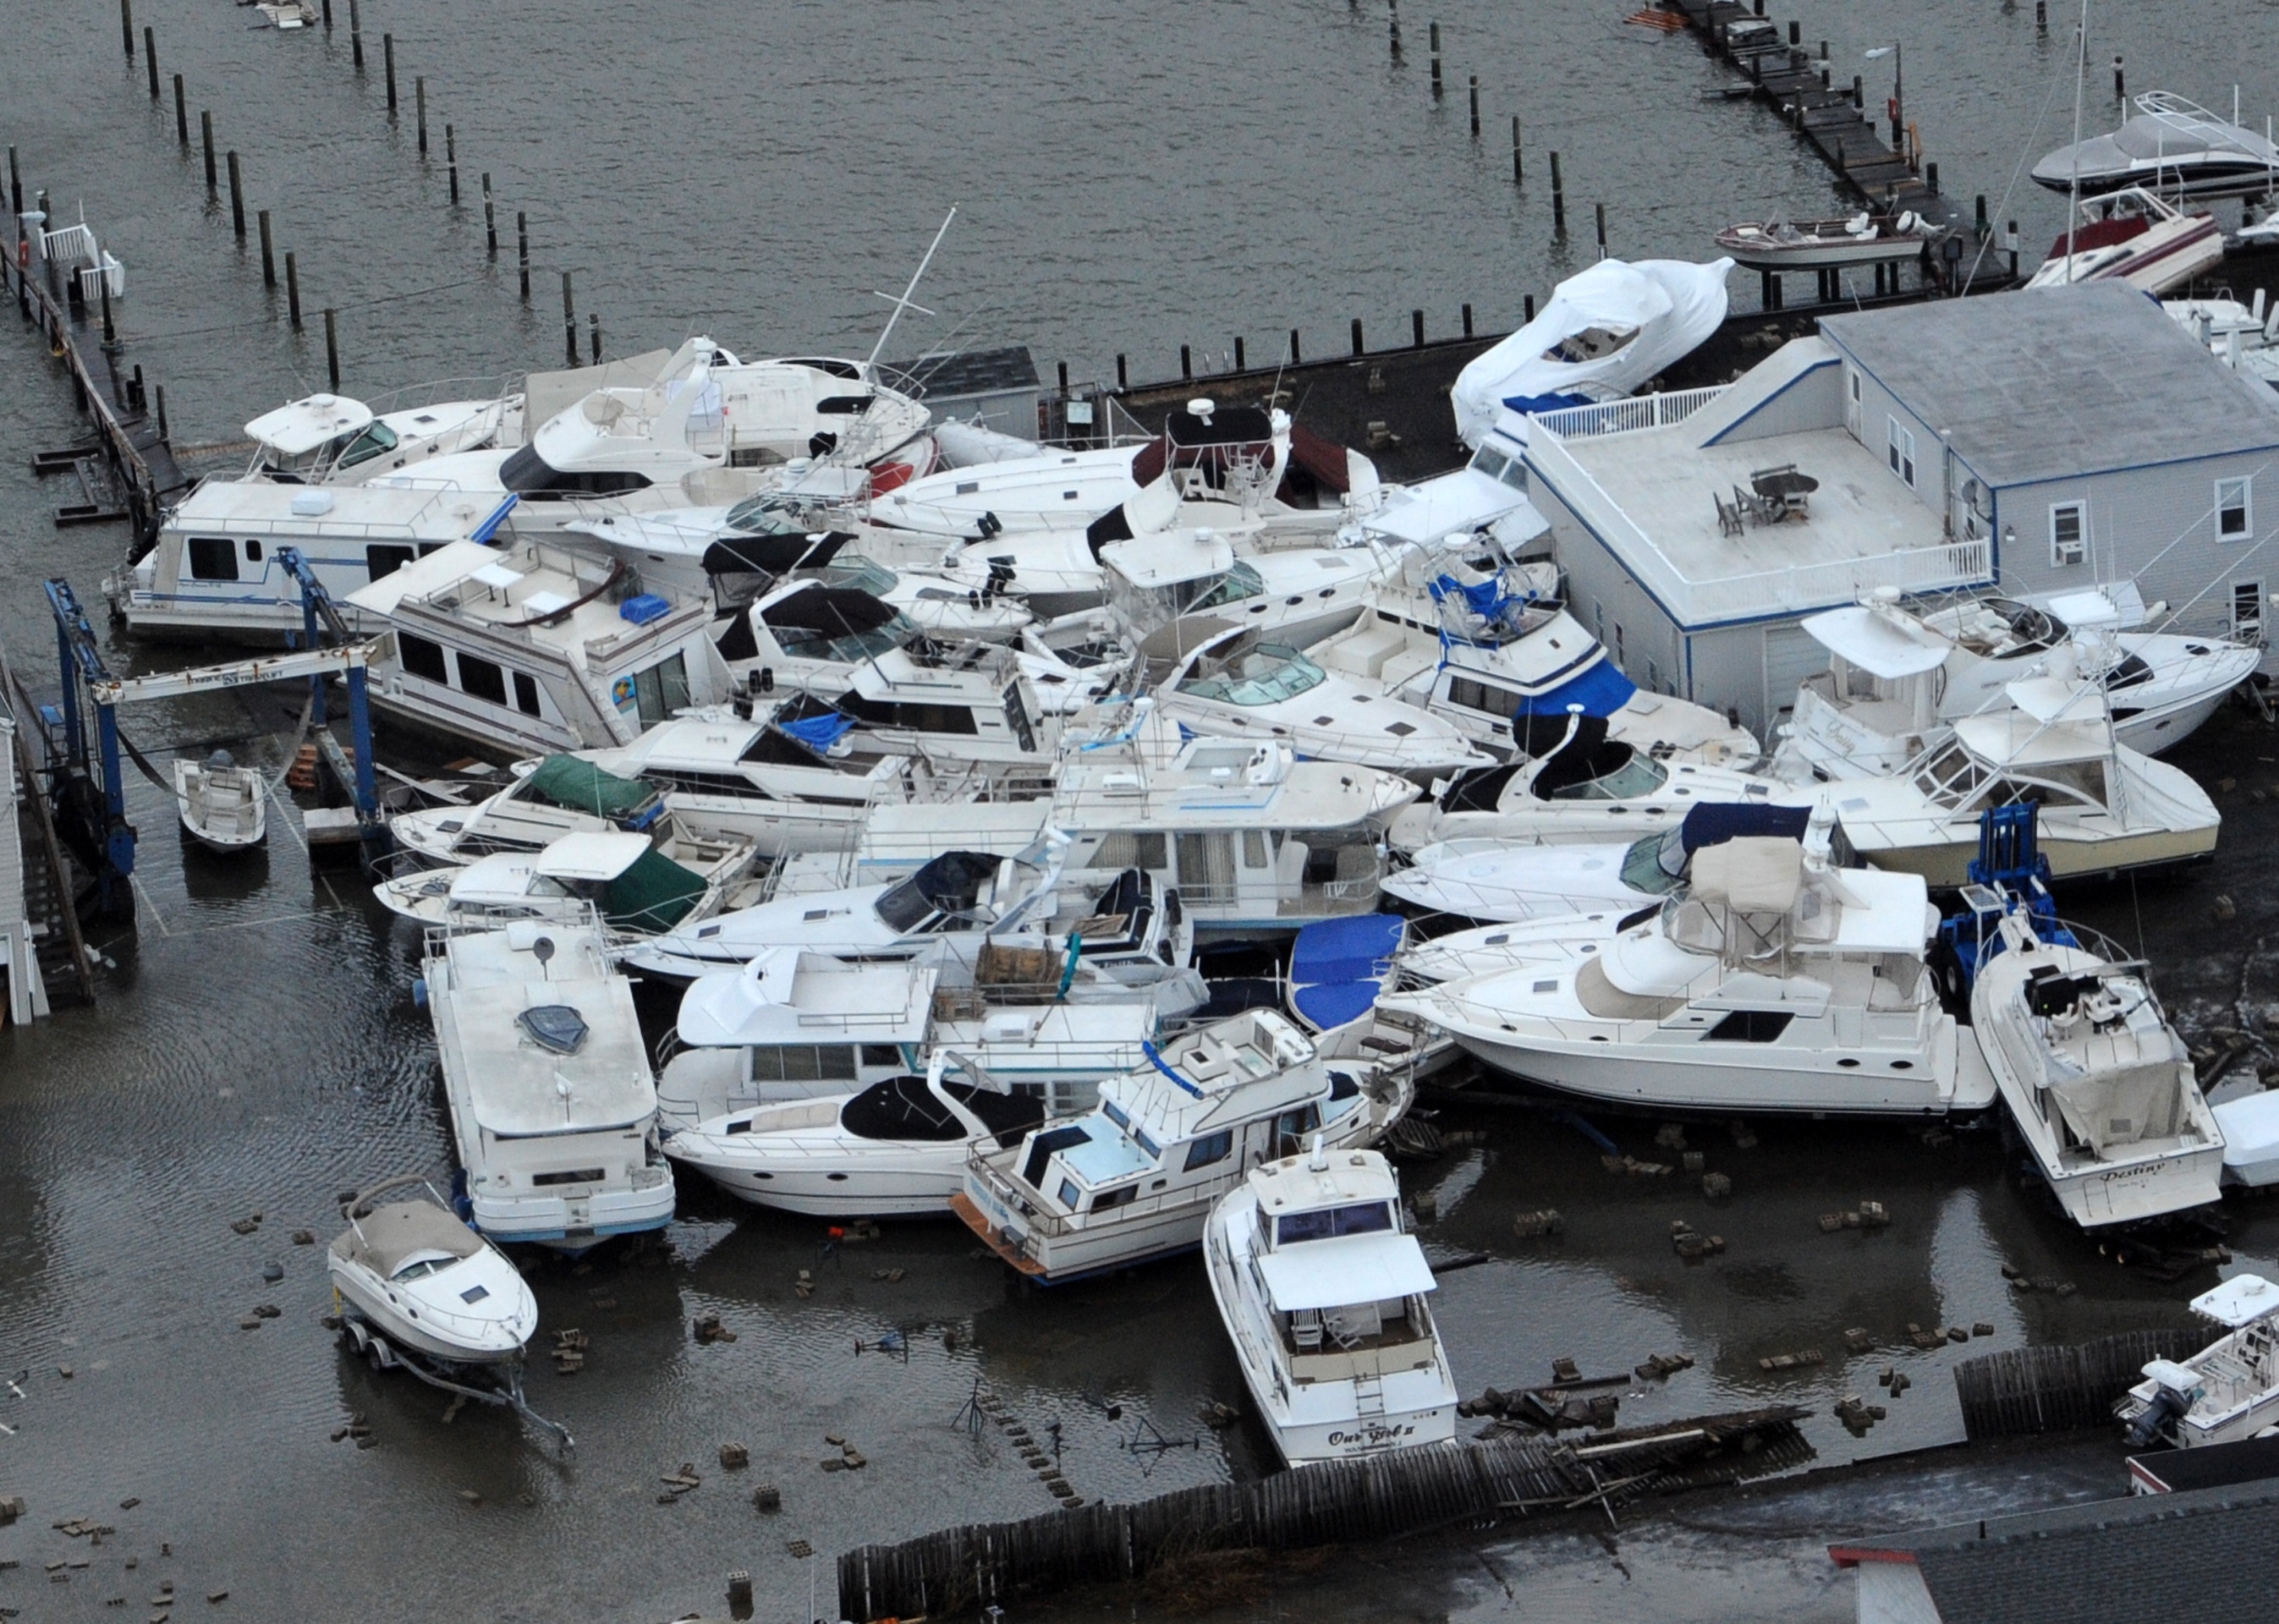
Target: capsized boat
x,y
223,807
641,887
1858,239
2228,1391
2135,236
1326,1298
418,1275
2098,1082
1774,982
1136,1178
562,795
896,1149
2172,145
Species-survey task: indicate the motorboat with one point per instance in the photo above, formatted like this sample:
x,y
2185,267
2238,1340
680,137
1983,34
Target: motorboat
x,y
1455,955
2135,236
1325,1295
1897,680
1806,245
1136,1178
1605,331
2228,1391
641,887
1054,489
896,1150
1585,786
1485,643
2098,1082
2103,807
416,1274
2244,337
553,1106
333,439
223,806
535,647
1773,981
1501,883
1339,970
2250,1126
2171,145
1296,596
560,795
1241,682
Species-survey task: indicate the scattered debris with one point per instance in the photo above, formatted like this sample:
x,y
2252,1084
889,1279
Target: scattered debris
x,y
267,1311
247,1226
1858,1340
734,1457
767,1497
12,1506
1218,1416
1717,1186
1662,1364
1983,1328
1566,1369
891,1276
470,1496
1414,1139
1743,1137
2225,911
1547,1221
569,1352
805,1284
304,1238
708,1330
1867,1215
64,1371
800,1548
1690,1244
1669,1136
1803,1359
1857,1415
739,1588
1632,1167
2050,1284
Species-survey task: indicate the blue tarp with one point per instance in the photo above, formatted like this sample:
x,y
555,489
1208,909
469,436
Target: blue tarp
x,y
818,732
1527,403
1711,823
1601,690
1344,949
1334,1003
1488,600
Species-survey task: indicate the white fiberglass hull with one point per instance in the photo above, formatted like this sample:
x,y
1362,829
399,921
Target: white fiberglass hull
x,y
874,1181
1942,853
369,1296
575,1224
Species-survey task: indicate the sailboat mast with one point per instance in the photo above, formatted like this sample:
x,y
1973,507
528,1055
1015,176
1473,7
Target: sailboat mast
x,y
903,304
2080,72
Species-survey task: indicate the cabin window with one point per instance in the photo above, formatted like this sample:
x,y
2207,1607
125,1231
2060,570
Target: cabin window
x,y
799,1062
2247,609
579,1176
1620,658
1899,447
380,560
1068,1193
1472,694
1130,851
213,558
1107,1198
1253,848
881,1055
482,679
1207,866
1291,1127
1210,1148
1016,716
2069,527
2233,517
525,694
919,717
376,439
1328,1223
422,658
662,689
253,551
1750,1026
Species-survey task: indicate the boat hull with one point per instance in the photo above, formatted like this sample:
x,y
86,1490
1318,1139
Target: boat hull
x,y
1821,256
1946,864
574,1223
364,1295
909,1185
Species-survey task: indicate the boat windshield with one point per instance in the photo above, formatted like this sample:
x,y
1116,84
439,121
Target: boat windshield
x,y
771,515
855,571
1640,775
1238,584
904,906
420,1268
1655,864
376,439
1268,675
807,643
1328,1222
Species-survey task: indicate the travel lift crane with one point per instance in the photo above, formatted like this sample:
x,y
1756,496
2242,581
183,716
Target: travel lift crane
x,y
95,802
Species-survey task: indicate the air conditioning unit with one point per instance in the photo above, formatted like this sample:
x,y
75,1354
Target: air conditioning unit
x,y
2069,552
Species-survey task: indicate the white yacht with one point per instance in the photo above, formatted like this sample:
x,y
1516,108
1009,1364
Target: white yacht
x,y
1897,680
534,648
641,887
1136,1179
1296,596
223,806
896,1150
332,439
2228,1391
2098,1082
2103,807
553,1106
1503,883
560,795
1238,682
1774,982
2250,1125
2172,145
416,1275
1486,645
1326,1298
1583,785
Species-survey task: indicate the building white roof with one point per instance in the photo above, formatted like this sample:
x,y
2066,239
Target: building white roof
x,y
1345,1268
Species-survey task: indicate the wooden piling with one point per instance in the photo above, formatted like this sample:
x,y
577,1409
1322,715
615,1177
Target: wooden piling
x,y
1602,207
1122,370
1468,321
490,217
182,114
1393,27
1558,201
419,103
1527,306
594,328
1357,348
356,37
2041,16
268,258
2120,80
127,26
1295,358
1518,170
205,128
161,393
1435,37
388,68
1476,107
1417,329
293,289
1241,359
522,249
150,59
328,16
451,159
569,321
332,350
1186,362
236,198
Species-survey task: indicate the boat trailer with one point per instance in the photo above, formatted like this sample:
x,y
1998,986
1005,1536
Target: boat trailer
x,y
362,1337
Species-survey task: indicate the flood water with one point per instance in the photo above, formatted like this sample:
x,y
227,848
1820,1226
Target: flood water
x,y
1129,179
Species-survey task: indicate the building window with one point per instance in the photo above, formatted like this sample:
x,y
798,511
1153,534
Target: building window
x,y
2247,609
1619,660
421,658
213,558
525,695
2233,517
2068,530
482,679
1901,446
1599,614
1653,677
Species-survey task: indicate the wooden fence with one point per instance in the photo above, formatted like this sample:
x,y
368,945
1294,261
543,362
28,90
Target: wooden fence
x,y
2053,1389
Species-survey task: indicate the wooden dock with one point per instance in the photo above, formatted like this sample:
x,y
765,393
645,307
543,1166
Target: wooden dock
x,y
2056,1389
1408,1491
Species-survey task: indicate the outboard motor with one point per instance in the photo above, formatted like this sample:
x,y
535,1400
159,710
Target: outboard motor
x,y
2168,1405
990,527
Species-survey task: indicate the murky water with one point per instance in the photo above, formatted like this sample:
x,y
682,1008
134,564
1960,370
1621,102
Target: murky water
x,y
1129,179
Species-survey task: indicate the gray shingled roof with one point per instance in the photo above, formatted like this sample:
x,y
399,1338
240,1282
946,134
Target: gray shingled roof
x,y
968,371
2058,382
2201,1557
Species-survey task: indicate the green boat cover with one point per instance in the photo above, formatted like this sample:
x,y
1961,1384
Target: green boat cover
x,y
580,786
655,894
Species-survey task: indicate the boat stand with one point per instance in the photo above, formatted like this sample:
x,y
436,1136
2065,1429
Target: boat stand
x,y
385,1355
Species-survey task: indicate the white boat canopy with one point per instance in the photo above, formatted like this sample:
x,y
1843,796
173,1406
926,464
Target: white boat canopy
x,y
301,426
1878,644
598,855
1160,561
1611,328
1751,874
2240,1300
786,993
2051,699
2012,738
1346,1269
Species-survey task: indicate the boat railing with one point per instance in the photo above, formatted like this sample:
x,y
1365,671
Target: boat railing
x,y
1628,416
495,388
1019,1198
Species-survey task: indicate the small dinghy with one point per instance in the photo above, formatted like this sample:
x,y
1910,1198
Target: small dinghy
x,y
223,806
415,1289
1863,239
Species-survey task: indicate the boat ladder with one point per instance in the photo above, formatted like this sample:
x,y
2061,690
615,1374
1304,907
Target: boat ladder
x,y
1369,1395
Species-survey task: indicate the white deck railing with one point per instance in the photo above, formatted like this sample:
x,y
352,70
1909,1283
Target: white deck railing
x,y
1624,417
1698,603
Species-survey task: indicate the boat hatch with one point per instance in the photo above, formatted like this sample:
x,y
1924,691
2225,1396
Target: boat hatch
x,y
555,1027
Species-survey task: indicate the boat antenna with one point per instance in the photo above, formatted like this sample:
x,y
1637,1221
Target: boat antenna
x,y
904,303
2080,72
